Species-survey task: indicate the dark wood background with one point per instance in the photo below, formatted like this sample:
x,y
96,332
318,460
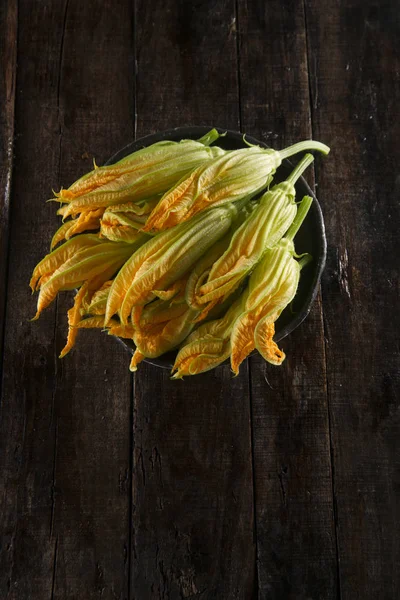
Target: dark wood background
x,y
283,483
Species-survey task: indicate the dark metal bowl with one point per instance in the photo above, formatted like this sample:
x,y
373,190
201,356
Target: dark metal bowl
x,y
310,238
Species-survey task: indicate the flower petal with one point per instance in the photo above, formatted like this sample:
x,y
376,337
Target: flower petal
x,y
263,338
136,359
51,262
74,317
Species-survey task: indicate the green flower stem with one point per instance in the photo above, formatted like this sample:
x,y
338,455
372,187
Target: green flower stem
x,y
301,214
304,147
300,168
305,260
209,137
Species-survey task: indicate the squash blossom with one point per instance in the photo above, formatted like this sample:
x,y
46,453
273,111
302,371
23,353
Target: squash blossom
x,y
228,178
261,230
209,345
145,173
162,326
96,305
87,221
86,264
121,223
201,270
272,286
164,259
199,274
51,262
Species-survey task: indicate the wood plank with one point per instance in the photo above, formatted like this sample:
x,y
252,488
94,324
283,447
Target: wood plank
x,y
356,93
8,71
66,426
27,428
193,499
296,548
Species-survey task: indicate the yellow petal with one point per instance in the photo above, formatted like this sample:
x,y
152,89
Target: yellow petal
x,y
123,331
98,302
175,291
173,205
73,319
87,221
61,233
51,262
100,261
167,330
96,322
265,344
136,313
242,337
200,355
136,359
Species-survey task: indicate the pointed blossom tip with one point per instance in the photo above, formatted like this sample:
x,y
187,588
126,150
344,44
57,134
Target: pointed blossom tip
x,y
64,352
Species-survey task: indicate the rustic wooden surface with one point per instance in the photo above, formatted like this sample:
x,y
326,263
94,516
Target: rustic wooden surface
x,y
281,483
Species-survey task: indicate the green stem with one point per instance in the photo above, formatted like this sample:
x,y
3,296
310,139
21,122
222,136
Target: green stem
x,y
304,147
301,214
305,260
209,137
300,168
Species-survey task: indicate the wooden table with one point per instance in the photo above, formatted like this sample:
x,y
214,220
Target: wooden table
x,y
282,483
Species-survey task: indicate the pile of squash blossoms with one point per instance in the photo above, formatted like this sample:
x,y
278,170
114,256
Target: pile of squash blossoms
x,y
181,245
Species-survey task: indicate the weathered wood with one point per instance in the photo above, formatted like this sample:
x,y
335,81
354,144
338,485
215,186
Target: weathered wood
x,y
27,427
193,495
355,66
66,426
73,522
94,432
296,547
8,71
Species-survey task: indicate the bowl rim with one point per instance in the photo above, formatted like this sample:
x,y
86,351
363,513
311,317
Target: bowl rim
x,y
197,131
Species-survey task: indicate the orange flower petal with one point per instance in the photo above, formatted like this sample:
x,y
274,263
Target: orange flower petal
x,y
242,337
74,317
51,262
265,344
136,359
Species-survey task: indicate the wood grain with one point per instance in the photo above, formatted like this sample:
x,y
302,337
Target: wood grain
x,y
8,72
296,547
281,483
355,95
66,426
193,494
27,424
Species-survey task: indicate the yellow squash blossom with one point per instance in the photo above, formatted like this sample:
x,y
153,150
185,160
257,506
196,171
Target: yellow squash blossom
x,y
162,327
138,163
261,230
201,270
148,172
87,221
272,286
121,223
228,178
52,261
164,259
209,345
101,260
96,305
